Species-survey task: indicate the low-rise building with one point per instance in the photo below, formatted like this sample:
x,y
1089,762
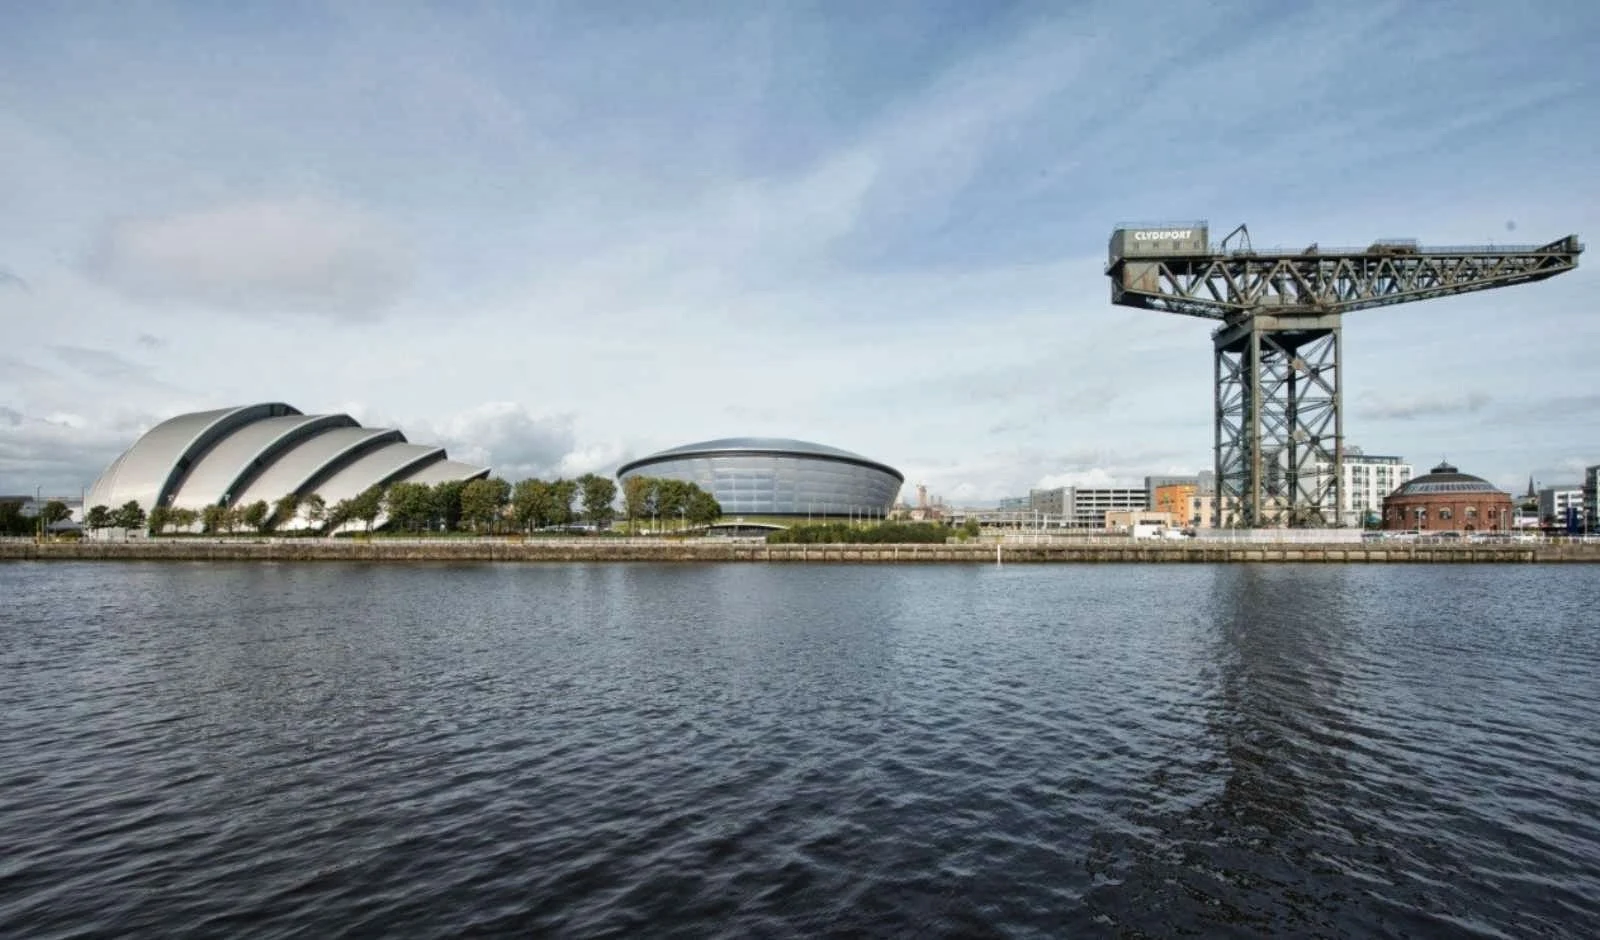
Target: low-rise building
x,y
1445,499
1561,505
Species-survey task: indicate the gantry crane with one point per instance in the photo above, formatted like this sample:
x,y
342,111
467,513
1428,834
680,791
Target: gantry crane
x,y
1278,414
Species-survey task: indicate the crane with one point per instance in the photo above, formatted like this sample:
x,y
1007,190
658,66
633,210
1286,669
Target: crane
x,y
1278,395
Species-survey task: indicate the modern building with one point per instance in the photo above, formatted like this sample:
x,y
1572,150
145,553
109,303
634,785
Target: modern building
x,y
1560,504
1445,499
1178,500
1591,498
762,476
265,452
1368,478
1073,507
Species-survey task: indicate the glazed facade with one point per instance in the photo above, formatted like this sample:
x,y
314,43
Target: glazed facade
x,y
264,452
777,477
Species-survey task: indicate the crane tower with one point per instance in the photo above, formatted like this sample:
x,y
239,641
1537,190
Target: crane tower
x,y
1278,396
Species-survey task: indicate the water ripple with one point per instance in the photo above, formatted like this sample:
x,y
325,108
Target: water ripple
x,y
746,751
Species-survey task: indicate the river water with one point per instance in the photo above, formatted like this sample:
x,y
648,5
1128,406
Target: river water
x,y
747,750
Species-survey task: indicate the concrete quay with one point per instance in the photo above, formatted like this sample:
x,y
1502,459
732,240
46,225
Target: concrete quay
x,y
713,550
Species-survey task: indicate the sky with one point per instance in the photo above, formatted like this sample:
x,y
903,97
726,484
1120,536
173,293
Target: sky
x,y
556,236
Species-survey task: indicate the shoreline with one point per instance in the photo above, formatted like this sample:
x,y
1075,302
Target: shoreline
x,y
596,550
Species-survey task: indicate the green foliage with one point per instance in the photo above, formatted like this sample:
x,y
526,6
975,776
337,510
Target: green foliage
x,y
213,519
367,505
160,518
338,514
971,529
532,504
447,503
316,510
482,502
599,494
53,512
839,532
130,515
410,506
13,522
98,517
638,494
703,508
283,511
182,519
255,514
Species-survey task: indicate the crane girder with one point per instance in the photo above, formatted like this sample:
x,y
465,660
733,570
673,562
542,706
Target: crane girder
x,y
1236,284
1278,405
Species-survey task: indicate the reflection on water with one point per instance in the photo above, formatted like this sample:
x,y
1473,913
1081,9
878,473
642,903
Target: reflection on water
x,y
737,750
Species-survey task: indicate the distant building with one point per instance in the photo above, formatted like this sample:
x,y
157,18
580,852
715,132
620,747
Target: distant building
x,y
1591,498
1179,500
1131,520
1079,507
1368,478
1558,503
1090,504
761,476
1445,499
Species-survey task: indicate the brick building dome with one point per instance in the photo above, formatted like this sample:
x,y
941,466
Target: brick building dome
x,y
1444,500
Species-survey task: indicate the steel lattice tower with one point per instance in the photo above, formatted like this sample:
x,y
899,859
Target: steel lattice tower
x,y
1278,404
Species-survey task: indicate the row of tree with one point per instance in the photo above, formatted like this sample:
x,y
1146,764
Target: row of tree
x,y
13,522
481,506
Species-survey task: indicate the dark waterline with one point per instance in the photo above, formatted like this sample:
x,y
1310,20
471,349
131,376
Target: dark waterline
x,y
328,749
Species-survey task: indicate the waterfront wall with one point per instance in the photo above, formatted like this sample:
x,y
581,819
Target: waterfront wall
x,y
711,550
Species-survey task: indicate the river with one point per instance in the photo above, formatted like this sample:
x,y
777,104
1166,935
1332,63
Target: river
x,y
258,749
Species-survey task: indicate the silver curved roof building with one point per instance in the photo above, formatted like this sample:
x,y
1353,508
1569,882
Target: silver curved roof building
x,y
236,456
765,476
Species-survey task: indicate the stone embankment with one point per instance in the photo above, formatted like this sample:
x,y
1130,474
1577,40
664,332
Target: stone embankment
x,y
714,550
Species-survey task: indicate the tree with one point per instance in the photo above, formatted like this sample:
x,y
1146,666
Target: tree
x,y
482,500
599,494
672,499
530,504
703,508
214,518
340,513
410,506
316,510
254,515
130,515
160,517
447,503
97,518
284,510
562,493
367,505
53,512
182,519
638,493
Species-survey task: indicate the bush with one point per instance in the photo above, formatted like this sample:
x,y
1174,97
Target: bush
x,y
840,533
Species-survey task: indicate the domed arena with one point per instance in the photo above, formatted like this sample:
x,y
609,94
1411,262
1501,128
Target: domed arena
x,y
265,452
763,476
1445,499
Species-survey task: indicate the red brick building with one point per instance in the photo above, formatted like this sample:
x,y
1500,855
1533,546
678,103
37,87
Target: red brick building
x,y
1447,500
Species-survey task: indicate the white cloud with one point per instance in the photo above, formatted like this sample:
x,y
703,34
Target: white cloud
x,y
300,255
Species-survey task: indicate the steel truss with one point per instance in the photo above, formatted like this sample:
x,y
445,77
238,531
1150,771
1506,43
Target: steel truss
x,y
1279,429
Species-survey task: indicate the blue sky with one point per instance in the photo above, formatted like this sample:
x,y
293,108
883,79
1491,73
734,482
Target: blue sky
x,y
554,236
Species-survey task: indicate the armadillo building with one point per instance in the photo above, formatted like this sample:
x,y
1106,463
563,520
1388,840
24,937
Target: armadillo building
x,y
763,476
237,456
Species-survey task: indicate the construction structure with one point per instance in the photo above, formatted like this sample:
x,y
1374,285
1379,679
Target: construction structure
x,y
1278,401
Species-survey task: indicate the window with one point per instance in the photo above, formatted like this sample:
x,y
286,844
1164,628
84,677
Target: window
x,y
1444,512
